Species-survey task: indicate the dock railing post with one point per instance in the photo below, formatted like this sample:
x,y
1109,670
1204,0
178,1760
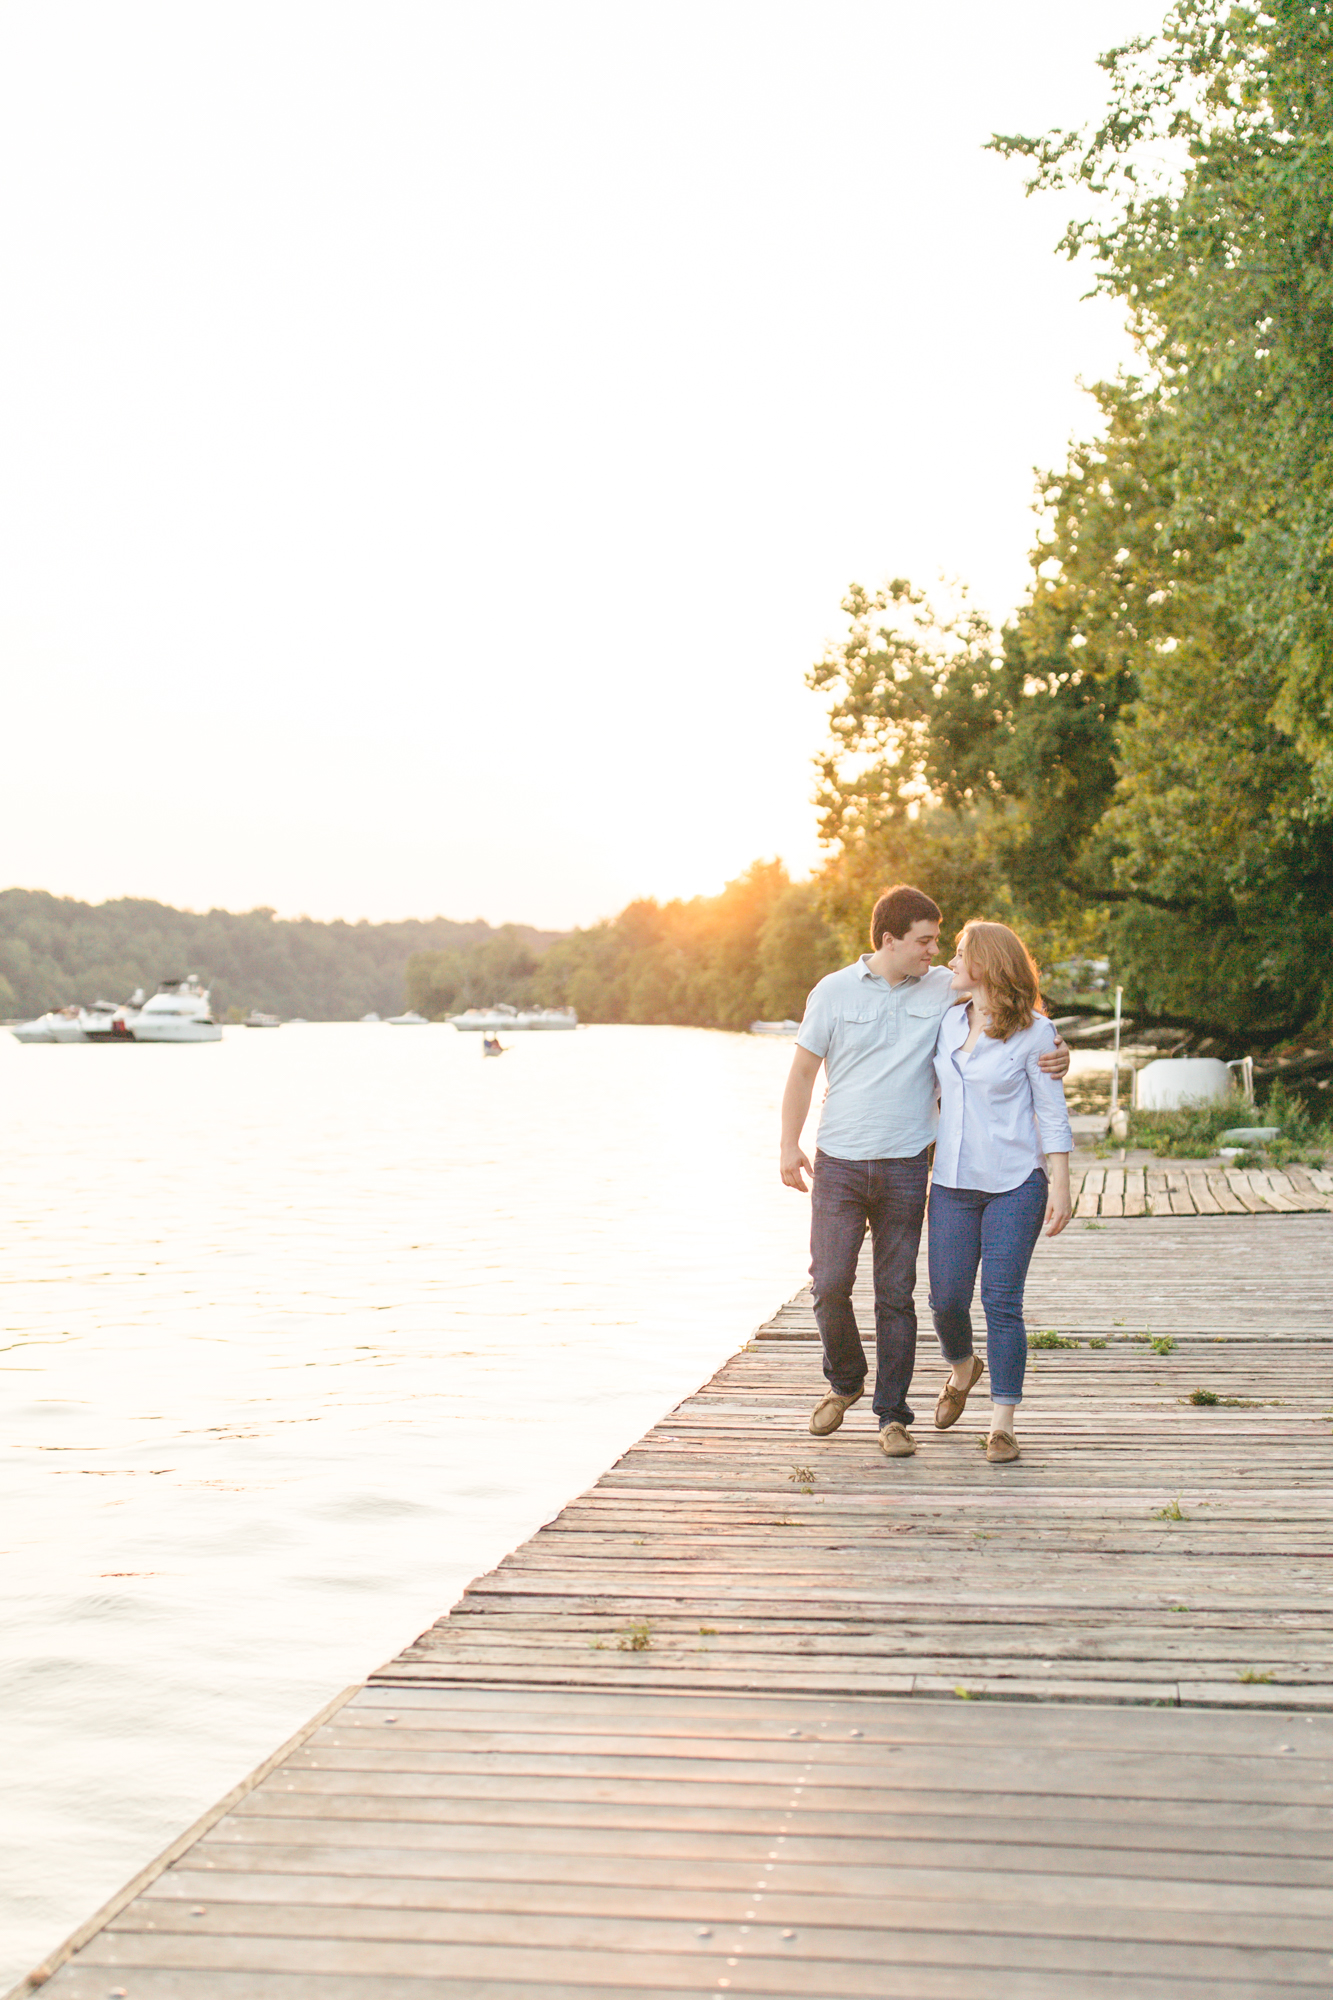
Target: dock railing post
x,y
1115,1064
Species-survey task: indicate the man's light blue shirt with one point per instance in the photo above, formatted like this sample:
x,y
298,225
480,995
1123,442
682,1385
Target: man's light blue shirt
x,y
878,1045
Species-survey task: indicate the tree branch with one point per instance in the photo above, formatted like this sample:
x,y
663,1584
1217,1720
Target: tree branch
x,y
1251,1038
1180,905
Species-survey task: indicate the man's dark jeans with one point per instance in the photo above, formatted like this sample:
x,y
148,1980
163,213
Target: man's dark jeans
x,y
888,1196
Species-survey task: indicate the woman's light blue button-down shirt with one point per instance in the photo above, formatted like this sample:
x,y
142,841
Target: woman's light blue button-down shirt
x,y
999,1114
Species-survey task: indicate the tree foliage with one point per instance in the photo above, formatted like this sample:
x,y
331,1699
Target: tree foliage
x,y
1211,179
716,961
1143,755
477,974
752,952
54,949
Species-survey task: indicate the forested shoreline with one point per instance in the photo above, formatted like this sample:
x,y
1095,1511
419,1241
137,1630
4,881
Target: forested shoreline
x,y
54,949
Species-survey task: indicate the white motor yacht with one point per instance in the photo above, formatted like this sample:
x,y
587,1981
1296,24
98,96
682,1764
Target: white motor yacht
x,y
490,1020
60,1025
411,1019
179,1011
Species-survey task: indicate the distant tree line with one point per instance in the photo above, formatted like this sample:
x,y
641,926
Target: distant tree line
x,y
714,961
54,950
711,962
477,972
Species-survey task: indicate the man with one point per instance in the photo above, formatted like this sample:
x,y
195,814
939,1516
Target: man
x,y
873,1026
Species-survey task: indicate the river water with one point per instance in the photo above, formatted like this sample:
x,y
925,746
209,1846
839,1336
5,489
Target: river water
x,y
301,1331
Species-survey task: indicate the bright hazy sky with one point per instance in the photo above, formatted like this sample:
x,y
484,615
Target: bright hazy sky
x,y
435,438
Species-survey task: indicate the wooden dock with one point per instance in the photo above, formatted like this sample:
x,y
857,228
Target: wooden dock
x,y
771,1715
1179,1188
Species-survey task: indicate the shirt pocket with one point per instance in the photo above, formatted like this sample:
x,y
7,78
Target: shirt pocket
x,y
1009,1080
863,1029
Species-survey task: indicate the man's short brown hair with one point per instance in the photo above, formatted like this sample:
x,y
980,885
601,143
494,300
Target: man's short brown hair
x,y
897,910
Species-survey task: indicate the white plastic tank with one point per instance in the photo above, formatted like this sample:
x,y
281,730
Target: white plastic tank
x,y
1173,1081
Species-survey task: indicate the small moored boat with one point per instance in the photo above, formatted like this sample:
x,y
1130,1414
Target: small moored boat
x,y
490,1020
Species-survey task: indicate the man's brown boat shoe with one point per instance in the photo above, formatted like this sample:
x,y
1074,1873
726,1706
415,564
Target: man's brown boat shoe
x,y
829,1411
1000,1448
952,1401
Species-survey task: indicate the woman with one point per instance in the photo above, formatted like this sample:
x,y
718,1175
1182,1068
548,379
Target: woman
x,y
993,1185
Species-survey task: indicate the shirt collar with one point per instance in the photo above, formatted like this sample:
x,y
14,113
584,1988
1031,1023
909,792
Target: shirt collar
x,y
910,979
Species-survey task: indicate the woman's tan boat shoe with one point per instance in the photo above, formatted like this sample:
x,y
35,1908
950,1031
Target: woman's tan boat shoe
x,y
951,1403
1000,1448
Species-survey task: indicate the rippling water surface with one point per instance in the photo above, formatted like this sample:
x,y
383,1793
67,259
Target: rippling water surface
x,y
301,1331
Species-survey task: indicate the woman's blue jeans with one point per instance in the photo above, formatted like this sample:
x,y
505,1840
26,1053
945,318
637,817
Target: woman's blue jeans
x,y
998,1231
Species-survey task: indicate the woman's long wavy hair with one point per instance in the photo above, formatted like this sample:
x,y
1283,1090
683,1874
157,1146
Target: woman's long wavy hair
x,y
998,959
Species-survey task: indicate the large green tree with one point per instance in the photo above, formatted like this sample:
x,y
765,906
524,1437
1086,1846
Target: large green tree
x,y
1106,769
1209,213
1146,752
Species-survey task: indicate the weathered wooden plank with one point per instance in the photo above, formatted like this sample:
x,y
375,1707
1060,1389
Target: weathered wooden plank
x,y
286,1903
870,1728
471,1973
1222,1194
1205,1202
1277,1190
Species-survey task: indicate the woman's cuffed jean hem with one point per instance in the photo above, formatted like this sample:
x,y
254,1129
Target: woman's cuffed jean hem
x,y
998,1232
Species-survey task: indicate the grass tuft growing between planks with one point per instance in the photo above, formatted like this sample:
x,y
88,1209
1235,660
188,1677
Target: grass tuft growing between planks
x,y
1160,1343
1208,1399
